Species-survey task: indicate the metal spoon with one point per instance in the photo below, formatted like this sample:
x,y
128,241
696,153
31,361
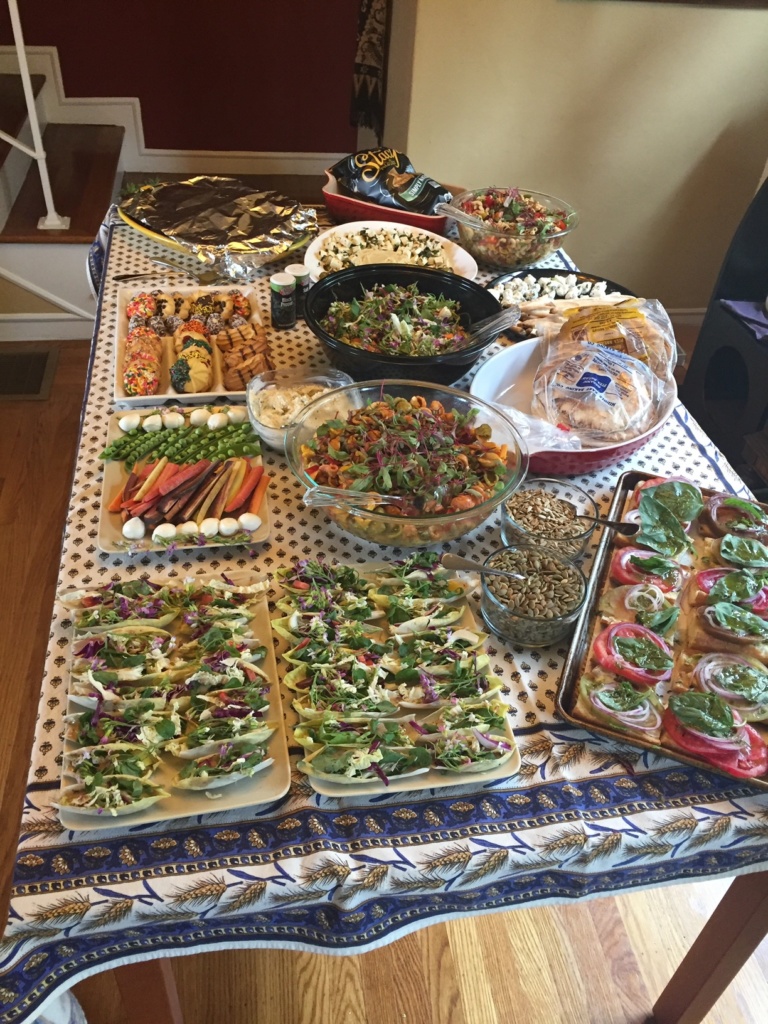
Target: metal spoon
x,y
320,497
465,564
625,529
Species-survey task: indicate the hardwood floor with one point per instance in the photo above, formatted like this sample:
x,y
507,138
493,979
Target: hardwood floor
x,y
598,962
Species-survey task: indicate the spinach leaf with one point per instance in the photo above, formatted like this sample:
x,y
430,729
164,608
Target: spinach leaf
x,y
683,500
739,621
165,729
736,586
655,565
623,697
745,681
706,712
643,652
754,512
660,529
744,551
661,622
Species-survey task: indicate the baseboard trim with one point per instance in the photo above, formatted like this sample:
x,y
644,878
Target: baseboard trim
x,y
126,112
44,327
686,317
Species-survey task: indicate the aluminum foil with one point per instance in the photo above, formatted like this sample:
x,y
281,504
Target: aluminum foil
x,y
227,225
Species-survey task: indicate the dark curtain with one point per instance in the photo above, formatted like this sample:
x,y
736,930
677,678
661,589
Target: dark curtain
x,y
370,80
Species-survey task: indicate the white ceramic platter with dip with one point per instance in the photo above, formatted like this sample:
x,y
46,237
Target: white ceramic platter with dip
x,y
457,259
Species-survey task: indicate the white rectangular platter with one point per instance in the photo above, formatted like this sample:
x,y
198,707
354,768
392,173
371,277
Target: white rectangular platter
x,y
115,475
166,392
431,780
256,793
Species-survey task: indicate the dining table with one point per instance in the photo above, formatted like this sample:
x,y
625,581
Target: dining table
x,y
585,816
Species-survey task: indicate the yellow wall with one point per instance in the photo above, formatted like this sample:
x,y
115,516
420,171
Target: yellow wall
x,y
650,118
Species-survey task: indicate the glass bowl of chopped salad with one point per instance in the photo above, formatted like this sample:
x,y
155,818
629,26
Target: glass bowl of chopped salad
x,y
389,321
448,459
513,227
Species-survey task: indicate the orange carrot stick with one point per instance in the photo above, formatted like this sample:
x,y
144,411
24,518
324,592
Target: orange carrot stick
x,y
258,493
171,469
252,478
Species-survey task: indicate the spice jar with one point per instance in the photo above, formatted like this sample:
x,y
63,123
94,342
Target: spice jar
x,y
282,294
544,512
300,274
540,608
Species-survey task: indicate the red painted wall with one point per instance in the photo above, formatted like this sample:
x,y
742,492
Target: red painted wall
x,y
260,75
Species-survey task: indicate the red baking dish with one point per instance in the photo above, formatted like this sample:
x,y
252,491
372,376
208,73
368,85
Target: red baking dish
x,y
345,208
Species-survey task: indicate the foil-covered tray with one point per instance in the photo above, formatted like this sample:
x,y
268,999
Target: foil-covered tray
x,y
224,223
589,622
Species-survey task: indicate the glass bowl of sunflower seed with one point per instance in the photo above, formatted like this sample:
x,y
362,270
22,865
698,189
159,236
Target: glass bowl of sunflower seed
x,y
539,604
544,512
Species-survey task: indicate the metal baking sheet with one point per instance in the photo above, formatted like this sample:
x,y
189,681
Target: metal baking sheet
x,y
566,691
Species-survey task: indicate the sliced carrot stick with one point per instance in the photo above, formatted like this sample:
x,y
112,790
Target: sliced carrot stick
x,y
135,480
171,469
117,502
258,494
184,475
252,477
151,480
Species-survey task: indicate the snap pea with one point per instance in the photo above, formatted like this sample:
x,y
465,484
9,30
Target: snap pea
x,y
183,445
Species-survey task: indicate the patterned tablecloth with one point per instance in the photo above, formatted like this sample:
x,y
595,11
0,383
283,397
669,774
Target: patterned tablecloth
x,y
584,817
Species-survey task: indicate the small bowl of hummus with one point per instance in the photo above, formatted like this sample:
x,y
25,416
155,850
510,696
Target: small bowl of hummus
x,y
276,398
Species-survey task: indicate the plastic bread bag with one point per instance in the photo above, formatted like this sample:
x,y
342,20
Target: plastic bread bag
x,y
637,327
539,435
604,396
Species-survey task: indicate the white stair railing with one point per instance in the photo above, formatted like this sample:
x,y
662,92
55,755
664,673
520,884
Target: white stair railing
x,y
52,220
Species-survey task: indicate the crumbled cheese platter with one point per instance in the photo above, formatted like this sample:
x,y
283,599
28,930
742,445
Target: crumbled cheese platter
x,y
671,651
173,705
389,686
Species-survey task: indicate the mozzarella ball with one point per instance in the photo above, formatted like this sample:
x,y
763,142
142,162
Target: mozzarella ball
x,y
165,531
249,521
129,422
199,417
189,529
173,420
237,414
134,529
209,527
217,421
228,526
153,423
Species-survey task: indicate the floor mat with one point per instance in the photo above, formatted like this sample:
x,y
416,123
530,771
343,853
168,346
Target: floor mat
x,y
27,375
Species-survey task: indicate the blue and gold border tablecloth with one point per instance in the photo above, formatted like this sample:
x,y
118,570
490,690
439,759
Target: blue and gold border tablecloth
x,y
584,817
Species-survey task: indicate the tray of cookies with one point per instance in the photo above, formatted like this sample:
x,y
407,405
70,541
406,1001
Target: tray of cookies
x,y
671,652
192,344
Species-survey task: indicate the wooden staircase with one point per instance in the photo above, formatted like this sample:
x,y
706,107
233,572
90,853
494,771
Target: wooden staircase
x,y
82,163
44,292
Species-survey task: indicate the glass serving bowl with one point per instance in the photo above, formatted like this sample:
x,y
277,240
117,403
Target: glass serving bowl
x,y
506,249
535,521
285,392
529,622
384,524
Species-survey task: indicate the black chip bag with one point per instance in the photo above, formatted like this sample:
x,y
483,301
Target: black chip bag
x,y
386,177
